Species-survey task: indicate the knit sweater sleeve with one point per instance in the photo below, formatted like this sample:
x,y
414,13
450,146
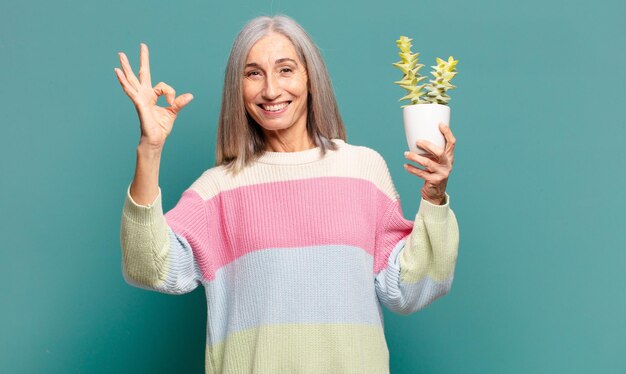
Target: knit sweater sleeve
x,y
419,256
155,256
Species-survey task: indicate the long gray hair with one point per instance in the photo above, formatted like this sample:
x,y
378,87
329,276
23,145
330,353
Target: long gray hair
x,y
239,138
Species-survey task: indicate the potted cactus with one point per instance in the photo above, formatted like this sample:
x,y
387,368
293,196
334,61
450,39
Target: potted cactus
x,y
429,107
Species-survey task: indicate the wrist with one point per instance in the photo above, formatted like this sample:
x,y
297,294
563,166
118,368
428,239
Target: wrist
x,y
149,151
435,200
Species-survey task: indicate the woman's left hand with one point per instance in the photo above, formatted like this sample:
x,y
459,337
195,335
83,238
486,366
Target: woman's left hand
x,y
437,166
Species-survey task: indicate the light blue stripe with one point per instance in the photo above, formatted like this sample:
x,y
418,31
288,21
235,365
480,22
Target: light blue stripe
x,y
318,284
183,275
407,298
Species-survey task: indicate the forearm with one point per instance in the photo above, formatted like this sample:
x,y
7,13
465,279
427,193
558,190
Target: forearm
x,y
432,247
144,240
421,267
153,256
145,186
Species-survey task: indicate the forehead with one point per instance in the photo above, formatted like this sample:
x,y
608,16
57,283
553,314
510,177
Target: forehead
x,y
271,47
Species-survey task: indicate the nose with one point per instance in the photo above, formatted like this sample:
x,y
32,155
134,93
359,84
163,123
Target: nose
x,y
272,88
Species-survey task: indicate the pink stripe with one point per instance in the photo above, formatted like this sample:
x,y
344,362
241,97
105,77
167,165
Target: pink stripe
x,y
339,211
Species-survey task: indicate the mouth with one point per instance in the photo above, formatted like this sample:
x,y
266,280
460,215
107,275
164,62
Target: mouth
x,y
274,108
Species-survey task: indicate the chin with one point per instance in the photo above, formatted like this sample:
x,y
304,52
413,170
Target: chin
x,y
274,128
272,125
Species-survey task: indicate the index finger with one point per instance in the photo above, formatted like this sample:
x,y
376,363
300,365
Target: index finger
x,y
144,68
450,139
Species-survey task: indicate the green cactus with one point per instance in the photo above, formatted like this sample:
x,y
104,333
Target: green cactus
x,y
436,89
410,68
443,73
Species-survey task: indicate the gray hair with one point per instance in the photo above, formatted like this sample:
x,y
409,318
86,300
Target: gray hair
x,y
240,139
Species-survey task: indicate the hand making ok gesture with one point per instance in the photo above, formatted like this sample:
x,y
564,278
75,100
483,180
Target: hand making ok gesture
x,y
156,122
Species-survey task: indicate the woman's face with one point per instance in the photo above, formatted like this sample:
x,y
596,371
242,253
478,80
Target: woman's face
x,y
275,84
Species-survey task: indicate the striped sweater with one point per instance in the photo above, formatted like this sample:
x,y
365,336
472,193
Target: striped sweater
x,y
296,254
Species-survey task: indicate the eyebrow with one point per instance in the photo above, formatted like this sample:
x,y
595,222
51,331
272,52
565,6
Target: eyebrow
x,y
280,60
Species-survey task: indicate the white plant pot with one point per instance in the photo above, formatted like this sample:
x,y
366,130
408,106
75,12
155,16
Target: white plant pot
x,y
421,121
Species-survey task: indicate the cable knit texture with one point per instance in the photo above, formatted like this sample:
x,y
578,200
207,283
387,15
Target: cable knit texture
x,y
296,254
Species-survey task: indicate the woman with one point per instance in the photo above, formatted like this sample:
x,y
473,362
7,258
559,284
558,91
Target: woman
x,y
297,236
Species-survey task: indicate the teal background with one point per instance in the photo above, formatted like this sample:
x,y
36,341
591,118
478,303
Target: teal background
x,y
537,186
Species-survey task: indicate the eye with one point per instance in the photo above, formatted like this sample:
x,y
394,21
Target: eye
x,y
253,73
286,70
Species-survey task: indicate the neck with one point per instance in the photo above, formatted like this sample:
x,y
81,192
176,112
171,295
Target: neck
x,y
280,142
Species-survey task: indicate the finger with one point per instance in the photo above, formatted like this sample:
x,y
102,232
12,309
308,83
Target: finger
x,y
144,69
128,71
450,139
433,151
417,171
428,164
164,89
122,79
181,101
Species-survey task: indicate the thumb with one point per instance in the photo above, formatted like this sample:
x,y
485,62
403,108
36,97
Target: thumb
x,y
180,102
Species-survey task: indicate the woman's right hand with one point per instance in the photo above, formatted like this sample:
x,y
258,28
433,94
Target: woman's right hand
x,y
156,122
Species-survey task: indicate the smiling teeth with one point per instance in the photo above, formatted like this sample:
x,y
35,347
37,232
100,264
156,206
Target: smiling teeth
x,y
274,108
